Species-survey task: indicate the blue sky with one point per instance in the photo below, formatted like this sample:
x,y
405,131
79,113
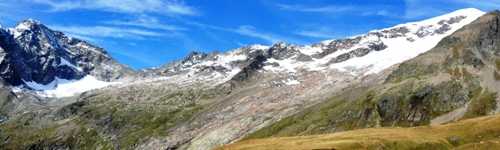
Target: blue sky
x,y
148,33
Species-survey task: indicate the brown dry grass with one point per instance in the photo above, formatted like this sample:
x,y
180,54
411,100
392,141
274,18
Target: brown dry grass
x,y
477,133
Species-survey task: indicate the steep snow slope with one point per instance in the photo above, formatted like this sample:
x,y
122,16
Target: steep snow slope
x,y
378,49
425,34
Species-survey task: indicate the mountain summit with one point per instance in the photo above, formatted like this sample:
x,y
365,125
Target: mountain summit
x,y
37,58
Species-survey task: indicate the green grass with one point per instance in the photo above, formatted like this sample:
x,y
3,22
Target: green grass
x,y
482,103
68,134
99,122
497,64
496,75
133,124
409,103
323,118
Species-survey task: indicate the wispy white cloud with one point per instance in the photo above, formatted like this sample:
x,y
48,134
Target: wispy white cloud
x,y
482,4
140,57
90,32
83,37
146,22
252,32
248,31
320,9
321,32
165,7
375,10
418,9
12,11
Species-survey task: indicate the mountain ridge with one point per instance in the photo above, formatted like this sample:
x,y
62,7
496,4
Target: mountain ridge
x,y
280,57
207,100
453,81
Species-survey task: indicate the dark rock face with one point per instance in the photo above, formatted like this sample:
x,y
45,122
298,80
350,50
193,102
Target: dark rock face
x,y
396,32
254,65
359,52
281,51
8,48
336,45
377,46
33,52
452,20
490,35
302,57
181,66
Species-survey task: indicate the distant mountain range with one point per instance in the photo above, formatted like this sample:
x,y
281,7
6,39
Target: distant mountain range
x,y
60,92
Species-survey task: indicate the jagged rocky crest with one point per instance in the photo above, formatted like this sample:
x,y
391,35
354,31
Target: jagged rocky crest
x,y
33,53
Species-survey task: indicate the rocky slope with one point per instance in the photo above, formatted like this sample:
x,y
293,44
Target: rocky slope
x,y
457,79
207,100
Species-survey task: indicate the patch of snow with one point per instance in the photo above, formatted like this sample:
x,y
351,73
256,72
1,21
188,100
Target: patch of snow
x,y
223,60
15,32
231,57
20,28
291,82
65,88
23,26
85,46
40,87
16,89
259,47
288,65
310,50
326,42
65,62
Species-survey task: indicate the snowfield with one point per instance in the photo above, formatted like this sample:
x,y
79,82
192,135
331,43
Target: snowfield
x,y
399,49
65,88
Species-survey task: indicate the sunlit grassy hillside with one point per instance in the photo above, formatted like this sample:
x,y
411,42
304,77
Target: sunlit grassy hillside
x,y
478,133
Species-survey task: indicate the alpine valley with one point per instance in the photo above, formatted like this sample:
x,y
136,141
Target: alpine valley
x,y
441,74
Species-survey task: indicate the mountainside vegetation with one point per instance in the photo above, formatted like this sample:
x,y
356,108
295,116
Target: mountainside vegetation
x,y
481,133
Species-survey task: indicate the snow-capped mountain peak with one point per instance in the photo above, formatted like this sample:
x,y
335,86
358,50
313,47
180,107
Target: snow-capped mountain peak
x,y
28,24
378,49
39,59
